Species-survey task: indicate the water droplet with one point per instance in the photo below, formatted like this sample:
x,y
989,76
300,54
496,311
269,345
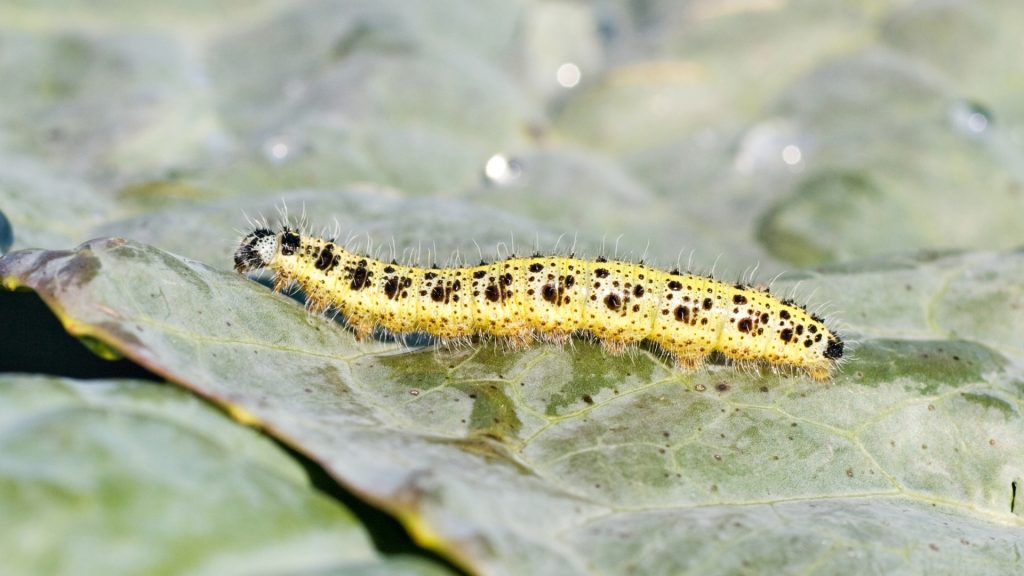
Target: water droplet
x,y
792,155
500,169
977,122
276,150
767,142
568,75
971,118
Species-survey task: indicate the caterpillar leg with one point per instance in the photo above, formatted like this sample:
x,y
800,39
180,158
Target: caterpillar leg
x,y
613,346
520,340
819,372
688,362
556,337
362,329
317,303
281,281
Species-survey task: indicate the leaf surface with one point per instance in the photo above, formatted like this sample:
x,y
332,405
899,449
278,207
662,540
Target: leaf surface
x,y
564,460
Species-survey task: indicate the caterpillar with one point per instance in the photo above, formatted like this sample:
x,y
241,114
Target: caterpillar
x,y
550,298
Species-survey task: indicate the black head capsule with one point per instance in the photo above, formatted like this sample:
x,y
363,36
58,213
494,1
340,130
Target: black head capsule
x,y
256,250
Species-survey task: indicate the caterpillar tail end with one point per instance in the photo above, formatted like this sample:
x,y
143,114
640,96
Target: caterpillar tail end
x,y
833,353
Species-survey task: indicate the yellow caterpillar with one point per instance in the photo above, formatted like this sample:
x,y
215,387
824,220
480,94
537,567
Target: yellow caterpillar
x,y
551,298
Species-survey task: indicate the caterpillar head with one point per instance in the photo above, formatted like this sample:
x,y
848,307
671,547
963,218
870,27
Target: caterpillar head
x,y
256,250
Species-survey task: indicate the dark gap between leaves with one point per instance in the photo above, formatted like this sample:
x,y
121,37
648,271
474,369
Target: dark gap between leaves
x,y
32,340
387,533
1013,495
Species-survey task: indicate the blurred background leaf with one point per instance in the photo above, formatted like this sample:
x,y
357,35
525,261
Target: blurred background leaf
x,y
747,132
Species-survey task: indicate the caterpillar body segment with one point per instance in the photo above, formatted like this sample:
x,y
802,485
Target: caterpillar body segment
x,y
550,298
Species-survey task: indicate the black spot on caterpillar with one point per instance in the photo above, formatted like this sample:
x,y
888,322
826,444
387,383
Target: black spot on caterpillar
x,y
550,298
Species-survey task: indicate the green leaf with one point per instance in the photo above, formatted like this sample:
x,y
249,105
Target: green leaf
x,y
781,134
128,477
563,460
920,149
